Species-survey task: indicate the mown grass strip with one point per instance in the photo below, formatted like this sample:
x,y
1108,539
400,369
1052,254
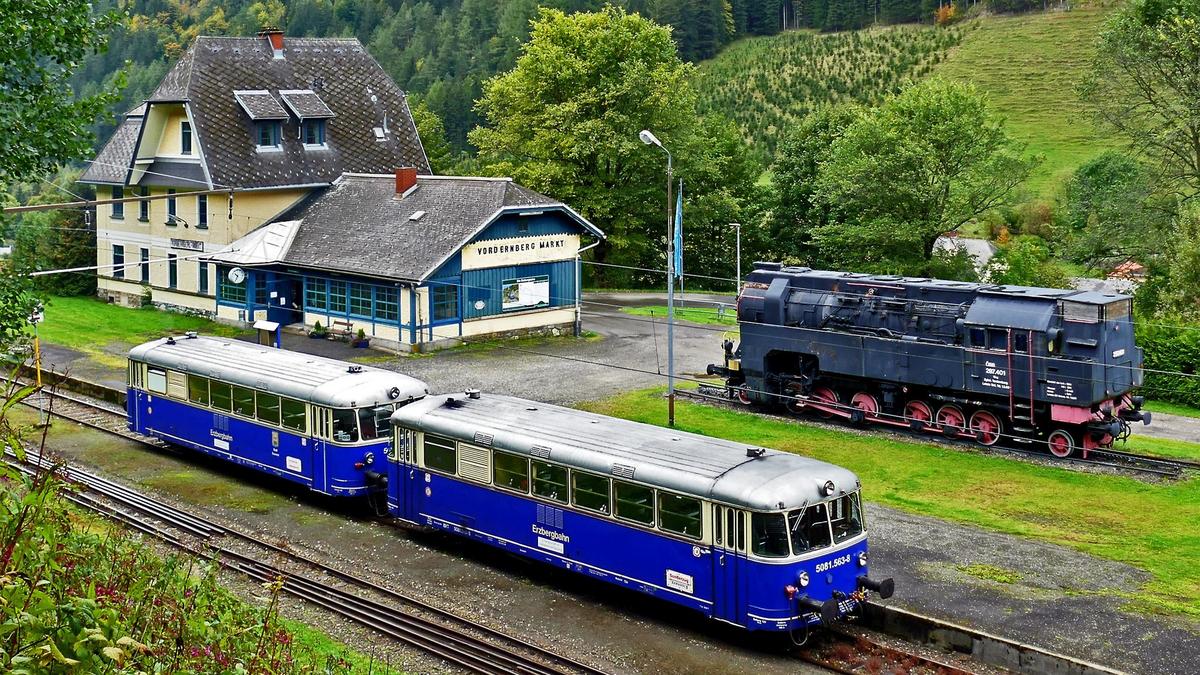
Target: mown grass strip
x,y
705,315
1152,527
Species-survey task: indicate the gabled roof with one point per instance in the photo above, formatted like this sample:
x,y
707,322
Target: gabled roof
x,y
345,80
359,227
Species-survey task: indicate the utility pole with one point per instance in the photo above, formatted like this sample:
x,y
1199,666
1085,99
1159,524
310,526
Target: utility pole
x,y
649,138
738,257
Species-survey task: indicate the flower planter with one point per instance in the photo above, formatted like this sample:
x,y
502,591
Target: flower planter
x,y
361,344
317,336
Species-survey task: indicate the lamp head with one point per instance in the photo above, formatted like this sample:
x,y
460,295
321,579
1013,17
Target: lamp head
x,y
649,138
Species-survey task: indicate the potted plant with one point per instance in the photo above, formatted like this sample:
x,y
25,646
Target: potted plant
x,y
318,332
361,341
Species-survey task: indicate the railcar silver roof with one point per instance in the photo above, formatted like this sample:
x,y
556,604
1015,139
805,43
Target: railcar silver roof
x,y
674,460
305,377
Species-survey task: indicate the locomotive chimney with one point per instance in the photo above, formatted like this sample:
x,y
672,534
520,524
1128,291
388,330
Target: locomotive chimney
x,y
406,177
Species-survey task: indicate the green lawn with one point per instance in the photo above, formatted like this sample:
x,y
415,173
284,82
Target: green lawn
x,y
101,330
1029,65
705,315
1171,408
1150,526
1160,447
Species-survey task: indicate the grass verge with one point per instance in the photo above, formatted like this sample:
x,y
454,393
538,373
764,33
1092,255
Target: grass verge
x,y
704,315
1151,527
1171,408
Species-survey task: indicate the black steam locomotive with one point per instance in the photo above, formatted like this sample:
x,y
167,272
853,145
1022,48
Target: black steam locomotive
x,y
979,361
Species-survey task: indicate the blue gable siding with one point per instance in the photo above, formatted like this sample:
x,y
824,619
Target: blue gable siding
x,y
512,225
485,286
451,268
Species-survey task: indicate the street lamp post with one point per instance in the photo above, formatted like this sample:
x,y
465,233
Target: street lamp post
x,y
35,317
650,139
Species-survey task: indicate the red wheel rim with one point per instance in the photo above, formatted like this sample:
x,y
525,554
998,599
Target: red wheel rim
x,y
743,397
828,397
866,403
918,411
1060,444
986,427
952,419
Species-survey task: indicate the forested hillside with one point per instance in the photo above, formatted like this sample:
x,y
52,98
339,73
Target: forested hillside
x,y
440,51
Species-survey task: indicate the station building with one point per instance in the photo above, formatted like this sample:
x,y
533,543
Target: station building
x,y
414,261
270,120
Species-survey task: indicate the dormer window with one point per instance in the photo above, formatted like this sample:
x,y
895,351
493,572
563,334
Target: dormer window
x,y
185,138
314,132
268,134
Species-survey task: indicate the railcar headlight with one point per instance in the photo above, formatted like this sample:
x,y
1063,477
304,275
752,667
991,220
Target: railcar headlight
x,y
829,488
862,558
369,458
802,579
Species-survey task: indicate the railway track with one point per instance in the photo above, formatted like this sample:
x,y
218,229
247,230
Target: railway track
x,y
1157,467
467,644
855,654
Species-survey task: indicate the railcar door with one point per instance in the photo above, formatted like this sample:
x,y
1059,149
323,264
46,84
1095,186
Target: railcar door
x,y
729,552
400,474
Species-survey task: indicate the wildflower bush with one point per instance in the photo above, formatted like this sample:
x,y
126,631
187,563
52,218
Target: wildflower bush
x,y
80,595
768,84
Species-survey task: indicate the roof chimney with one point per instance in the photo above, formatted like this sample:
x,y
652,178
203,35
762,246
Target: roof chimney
x,y
275,38
406,178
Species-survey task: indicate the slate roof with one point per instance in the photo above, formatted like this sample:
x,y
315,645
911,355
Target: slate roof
x,y
359,227
359,94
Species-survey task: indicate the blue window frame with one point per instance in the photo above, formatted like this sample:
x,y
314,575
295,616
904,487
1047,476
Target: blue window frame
x,y
360,300
118,209
337,297
314,132
229,291
202,212
387,303
443,299
268,134
260,290
118,270
316,294
185,138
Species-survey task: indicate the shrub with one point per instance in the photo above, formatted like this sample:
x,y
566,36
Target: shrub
x,y
945,15
1171,345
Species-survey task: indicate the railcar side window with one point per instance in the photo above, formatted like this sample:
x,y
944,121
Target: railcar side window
x,y
198,389
680,515
633,502
550,481
243,401
510,472
440,454
846,516
293,415
809,528
590,492
268,407
221,395
345,426
156,380
768,535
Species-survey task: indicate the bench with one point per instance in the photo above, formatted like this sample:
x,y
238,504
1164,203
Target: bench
x,y
342,329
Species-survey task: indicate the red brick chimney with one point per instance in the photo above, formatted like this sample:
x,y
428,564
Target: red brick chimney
x,y
275,37
406,177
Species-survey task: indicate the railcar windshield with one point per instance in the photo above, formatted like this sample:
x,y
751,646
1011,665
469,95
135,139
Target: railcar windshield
x,y
845,515
375,421
810,528
345,426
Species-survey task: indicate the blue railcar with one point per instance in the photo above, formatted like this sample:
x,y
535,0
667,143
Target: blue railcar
x,y
762,539
316,421
1055,366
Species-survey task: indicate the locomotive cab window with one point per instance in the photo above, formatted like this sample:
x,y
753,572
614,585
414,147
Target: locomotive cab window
x,y
590,492
1020,343
374,421
998,339
440,454
769,535
550,481
345,426
633,502
198,389
1115,311
510,472
1080,312
156,380
809,528
978,337
680,514
845,514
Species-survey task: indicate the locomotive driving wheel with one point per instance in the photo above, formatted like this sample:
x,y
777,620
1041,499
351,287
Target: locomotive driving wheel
x,y
952,420
918,411
828,397
867,403
1061,443
987,427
